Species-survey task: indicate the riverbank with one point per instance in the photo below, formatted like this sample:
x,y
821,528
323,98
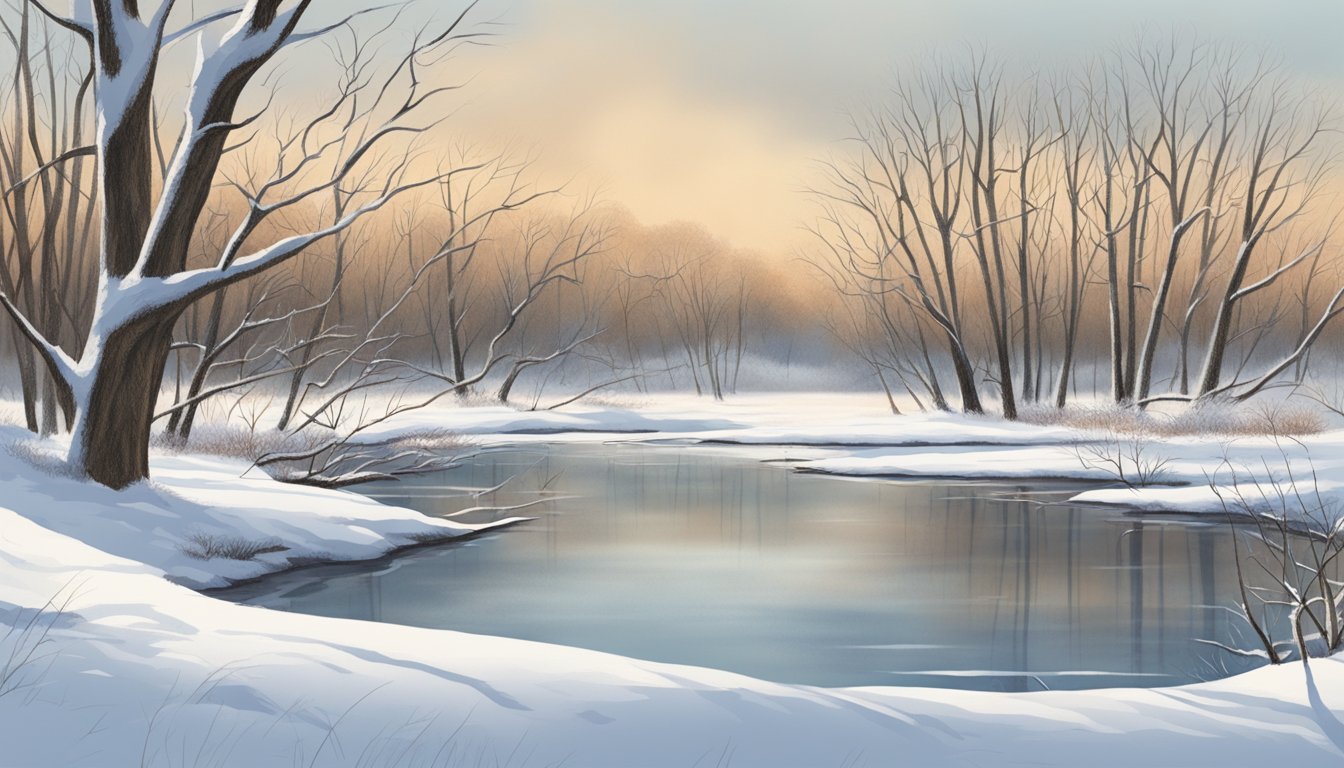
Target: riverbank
x,y
208,521
106,662
1209,463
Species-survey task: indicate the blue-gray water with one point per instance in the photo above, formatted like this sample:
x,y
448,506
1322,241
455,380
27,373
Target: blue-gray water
x,y
701,556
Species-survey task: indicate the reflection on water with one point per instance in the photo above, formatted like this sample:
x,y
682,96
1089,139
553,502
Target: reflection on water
x,y
700,556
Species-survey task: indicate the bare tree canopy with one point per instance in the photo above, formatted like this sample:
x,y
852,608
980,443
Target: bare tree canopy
x,y
1180,186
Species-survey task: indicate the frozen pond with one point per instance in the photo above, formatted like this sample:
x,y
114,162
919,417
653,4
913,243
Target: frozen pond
x,y
707,556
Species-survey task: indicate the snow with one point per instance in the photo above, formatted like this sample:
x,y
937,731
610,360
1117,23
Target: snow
x,y
122,666
856,435
190,497
504,423
1189,474
998,463
774,419
138,669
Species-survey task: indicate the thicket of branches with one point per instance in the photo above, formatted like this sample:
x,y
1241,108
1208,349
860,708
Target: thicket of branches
x,y
323,243
1164,209
320,244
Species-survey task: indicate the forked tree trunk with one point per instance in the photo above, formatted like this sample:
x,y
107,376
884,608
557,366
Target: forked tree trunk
x,y
110,391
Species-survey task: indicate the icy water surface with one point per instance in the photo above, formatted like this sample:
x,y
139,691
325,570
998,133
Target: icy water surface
x,y
708,557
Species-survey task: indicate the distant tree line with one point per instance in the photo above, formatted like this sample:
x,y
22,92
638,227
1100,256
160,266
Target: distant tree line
x,y
168,281
341,259
1166,208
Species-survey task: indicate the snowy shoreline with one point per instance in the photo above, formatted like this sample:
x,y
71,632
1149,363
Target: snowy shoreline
x,y
853,436
117,664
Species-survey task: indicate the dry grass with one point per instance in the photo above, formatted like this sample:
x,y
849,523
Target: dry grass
x,y
238,441
1276,420
437,440
26,648
208,546
44,458
626,400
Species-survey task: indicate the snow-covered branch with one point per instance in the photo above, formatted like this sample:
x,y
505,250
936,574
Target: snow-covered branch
x,y
153,293
62,366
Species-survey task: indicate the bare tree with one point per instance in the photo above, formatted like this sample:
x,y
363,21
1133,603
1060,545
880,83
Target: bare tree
x,y
889,217
109,391
706,301
980,104
1287,560
1074,153
546,254
1282,174
951,199
44,190
554,254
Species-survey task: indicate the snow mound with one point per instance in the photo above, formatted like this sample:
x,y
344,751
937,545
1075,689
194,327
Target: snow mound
x,y
207,522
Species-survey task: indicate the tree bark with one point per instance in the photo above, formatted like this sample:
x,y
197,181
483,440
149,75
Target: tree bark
x,y
110,440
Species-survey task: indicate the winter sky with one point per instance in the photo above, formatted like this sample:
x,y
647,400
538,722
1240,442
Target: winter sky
x,y
712,110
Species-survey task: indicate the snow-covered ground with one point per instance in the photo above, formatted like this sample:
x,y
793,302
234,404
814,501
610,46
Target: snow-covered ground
x,y
768,419
107,662
855,434
1185,474
196,505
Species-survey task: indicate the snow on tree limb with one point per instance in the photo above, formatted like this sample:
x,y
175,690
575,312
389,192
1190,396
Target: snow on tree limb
x,y
200,24
63,368
80,28
155,292
64,157
311,34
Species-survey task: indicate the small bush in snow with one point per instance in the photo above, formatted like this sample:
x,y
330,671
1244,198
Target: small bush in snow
x,y
208,546
1281,419
625,400
1129,459
1288,563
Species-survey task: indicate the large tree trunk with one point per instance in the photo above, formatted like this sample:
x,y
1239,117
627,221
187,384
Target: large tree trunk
x,y
110,391
506,389
111,434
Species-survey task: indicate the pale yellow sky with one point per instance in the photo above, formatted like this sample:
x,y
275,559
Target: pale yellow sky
x,y
713,110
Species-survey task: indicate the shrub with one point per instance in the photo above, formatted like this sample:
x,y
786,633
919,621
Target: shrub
x,y
1208,418
1129,459
208,546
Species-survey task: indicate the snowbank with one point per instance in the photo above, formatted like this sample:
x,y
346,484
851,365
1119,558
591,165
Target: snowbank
x,y
200,506
824,419
106,662
1186,474
856,435
575,422
130,669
